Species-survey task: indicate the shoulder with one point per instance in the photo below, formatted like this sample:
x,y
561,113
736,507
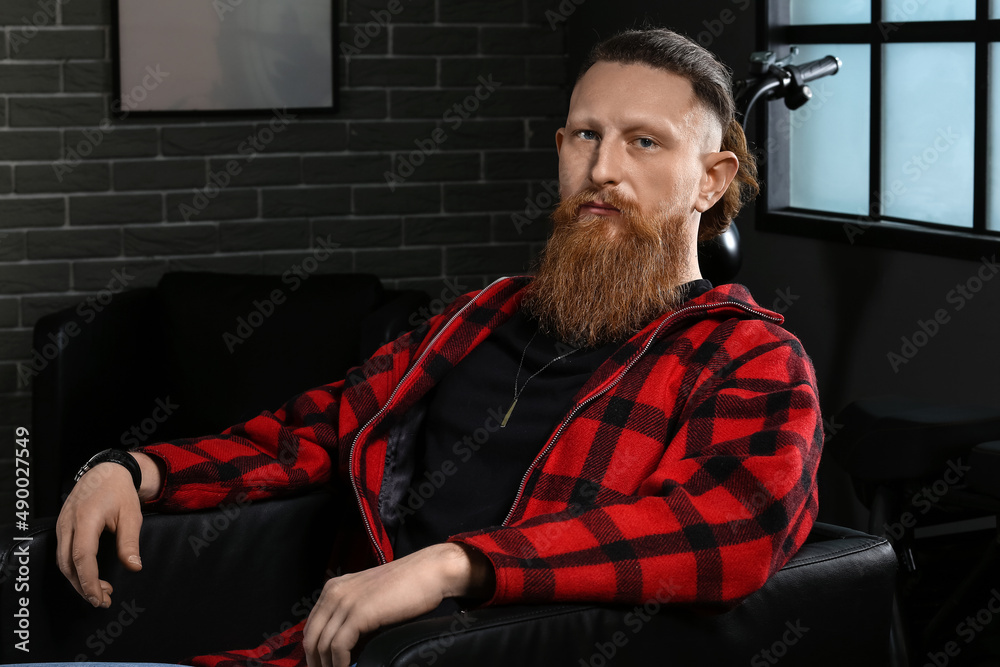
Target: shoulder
x,y
739,325
761,358
732,336
753,336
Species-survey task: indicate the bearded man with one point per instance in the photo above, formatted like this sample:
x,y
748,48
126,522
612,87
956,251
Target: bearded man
x,y
611,425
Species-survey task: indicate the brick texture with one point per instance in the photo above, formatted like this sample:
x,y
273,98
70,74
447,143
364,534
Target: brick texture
x,y
415,176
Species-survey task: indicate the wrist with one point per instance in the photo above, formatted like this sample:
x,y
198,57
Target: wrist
x,y
152,476
468,573
116,456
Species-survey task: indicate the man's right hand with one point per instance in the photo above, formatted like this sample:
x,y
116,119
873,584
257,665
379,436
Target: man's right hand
x,y
105,497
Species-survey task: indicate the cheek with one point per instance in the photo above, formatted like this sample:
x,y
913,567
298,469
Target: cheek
x,y
564,179
688,183
665,184
673,190
572,176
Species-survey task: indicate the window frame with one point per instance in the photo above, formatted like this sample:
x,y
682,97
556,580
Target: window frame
x,y
773,212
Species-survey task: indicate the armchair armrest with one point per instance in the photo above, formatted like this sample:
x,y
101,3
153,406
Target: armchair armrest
x,y
829,605
211,581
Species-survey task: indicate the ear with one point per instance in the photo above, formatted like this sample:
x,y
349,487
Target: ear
x,y
560,135
720,170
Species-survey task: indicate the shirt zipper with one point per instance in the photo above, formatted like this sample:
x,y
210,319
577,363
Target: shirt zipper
x,y
354,481
569,417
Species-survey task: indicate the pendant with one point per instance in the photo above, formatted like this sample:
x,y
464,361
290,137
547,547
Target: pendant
x,y
509,410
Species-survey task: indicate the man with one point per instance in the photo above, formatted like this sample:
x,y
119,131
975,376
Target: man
x,y
610,426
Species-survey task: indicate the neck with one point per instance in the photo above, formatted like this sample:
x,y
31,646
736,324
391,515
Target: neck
x,y
691,269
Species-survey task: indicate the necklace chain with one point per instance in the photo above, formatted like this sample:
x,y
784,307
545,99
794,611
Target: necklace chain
x,y
518,392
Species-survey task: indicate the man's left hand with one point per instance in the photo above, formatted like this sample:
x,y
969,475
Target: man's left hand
x,y
354,604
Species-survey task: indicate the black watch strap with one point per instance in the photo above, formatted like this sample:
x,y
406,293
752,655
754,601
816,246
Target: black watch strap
x,y
113,456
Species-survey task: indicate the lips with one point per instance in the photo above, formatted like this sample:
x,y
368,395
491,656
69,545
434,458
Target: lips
x,y
599,208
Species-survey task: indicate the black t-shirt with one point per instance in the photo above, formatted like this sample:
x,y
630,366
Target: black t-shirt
x,y
468,469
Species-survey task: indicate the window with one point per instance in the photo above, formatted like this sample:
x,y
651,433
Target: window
x,y
909,126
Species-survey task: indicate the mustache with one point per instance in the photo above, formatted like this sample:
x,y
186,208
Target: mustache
x,y
642,228
626,205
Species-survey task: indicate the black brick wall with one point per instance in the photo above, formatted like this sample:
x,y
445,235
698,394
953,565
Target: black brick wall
x,y
80,198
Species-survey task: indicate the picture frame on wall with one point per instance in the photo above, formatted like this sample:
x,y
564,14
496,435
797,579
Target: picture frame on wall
x,y
210,57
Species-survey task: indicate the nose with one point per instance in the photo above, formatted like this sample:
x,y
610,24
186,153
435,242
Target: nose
x,y
605,169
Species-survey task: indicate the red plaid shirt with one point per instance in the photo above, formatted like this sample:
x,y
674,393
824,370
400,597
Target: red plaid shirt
x,y
686,468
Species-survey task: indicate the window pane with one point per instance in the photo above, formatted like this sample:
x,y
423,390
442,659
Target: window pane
x,y
928,132
929,10
995,9
804,12
829,135
993,198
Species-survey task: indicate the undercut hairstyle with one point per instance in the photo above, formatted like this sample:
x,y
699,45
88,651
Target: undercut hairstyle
x,y
712,82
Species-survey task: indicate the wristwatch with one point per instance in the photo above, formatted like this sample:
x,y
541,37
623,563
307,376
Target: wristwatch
x,y
115,456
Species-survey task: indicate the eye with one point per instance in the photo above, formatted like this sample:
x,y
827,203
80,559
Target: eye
x,y
586,135
645,142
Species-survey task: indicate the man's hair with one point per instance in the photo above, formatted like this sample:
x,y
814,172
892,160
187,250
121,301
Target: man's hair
x,y
665,49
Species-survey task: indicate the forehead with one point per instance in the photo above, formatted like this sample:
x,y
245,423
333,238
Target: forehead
x,y
610,90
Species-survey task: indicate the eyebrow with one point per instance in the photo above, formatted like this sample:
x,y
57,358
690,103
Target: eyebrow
x,y
663,127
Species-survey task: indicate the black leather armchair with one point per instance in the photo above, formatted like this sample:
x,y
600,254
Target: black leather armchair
x,y
196,354
231,577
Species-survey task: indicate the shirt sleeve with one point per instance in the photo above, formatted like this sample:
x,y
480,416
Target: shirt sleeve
x,y
732,499
285,451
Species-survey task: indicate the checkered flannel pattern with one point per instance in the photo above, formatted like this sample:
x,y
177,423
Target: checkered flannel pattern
x,y
686,470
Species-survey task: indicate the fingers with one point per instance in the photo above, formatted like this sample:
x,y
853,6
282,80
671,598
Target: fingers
x,y
337,644
315,625
64,545
76,556
332,653
83,555
339,658
127,537
330,634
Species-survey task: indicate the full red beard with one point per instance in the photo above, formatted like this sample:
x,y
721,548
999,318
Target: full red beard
x,y
602,279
